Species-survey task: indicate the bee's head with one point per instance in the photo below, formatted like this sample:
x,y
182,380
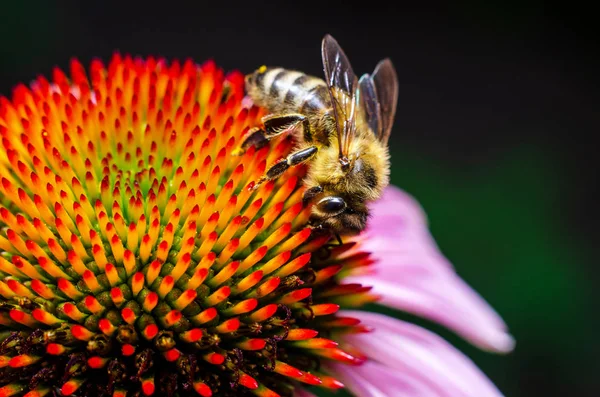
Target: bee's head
x,y
342,216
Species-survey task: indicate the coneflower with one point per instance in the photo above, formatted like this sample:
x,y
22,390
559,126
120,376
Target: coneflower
x,y
137,260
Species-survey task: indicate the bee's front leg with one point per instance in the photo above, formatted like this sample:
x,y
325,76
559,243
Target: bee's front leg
x,y
275,125
281,166
310,194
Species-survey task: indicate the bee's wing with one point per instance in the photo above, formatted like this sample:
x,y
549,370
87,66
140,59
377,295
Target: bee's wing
x,y
385,81
342,84
370,104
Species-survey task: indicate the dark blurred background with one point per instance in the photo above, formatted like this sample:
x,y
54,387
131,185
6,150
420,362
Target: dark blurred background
x,y
497,101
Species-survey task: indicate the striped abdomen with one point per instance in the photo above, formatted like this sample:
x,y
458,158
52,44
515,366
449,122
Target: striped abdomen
x,y
284,91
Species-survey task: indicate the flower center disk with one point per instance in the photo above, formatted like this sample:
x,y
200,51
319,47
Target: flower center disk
x,y
134,257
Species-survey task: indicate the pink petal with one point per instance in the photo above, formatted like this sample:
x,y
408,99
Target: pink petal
x,y
418,358
412,275
372,379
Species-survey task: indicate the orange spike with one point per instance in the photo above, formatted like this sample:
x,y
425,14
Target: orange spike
x,y
252,209
27,268
204,316
206,246
265,288
324,309
137,283
276,262
129,262
23,360
251,233
128,316
166,285
73,312
316,343
295,296
153,271
226,212
197,279
76,262
145,248
288,216
272,213
127,350
202,389
284,191
45,317
55,349
148,386
224,275
278,235
326,273
150,302
218,296
191,336
214,358
81,333
78,247
228,233
182,265
112,275
42,290
150,331
184,299
338,355
228,252
248,381
132,237
19,289
247,282
252,344
92,304
171,318
210,225
294,241
117,249
172,355
69,289
294,266
9,268
18,243
117,296
287,370
71,386
99,255
106,327
298,334
263,313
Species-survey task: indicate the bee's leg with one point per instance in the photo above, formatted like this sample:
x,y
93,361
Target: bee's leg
x,y
310,194
275,125
339,239
281,166
255,136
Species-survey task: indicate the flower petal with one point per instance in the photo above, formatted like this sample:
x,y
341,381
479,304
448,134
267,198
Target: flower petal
x,y
373,379
416,355
412,275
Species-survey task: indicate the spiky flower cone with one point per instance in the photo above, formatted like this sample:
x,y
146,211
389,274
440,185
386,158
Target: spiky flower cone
x,y
134,258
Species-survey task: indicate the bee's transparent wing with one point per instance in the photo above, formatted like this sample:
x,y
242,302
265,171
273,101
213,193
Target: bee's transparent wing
x,y
370,104
342,84
385,81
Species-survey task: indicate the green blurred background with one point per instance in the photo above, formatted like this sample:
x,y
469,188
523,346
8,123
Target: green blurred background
x,y
496,103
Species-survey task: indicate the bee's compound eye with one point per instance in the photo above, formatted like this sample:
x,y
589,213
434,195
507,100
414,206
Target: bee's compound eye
x,y
331,205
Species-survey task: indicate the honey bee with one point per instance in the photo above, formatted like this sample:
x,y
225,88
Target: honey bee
x,y
341,126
